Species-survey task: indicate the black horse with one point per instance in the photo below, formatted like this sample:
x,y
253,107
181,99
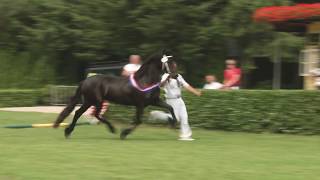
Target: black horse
x,y
139,90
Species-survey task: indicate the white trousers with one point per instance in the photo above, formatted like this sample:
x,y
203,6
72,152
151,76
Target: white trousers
x,y
180,111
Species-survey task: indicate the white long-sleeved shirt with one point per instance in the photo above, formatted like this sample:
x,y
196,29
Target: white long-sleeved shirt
x,y
172,87
131,68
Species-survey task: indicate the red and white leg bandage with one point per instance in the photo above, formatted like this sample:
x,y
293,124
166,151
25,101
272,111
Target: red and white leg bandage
x,y
104,108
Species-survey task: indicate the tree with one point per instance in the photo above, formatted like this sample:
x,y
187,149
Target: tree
x,y
65,34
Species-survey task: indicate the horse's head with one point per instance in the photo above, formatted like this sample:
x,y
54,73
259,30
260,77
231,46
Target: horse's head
x,y
155,66
161,61
167,62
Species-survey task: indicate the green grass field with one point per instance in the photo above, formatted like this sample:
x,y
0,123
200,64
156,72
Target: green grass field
x,y
151,153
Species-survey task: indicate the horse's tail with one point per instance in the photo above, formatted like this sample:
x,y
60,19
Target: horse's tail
x,y
69,108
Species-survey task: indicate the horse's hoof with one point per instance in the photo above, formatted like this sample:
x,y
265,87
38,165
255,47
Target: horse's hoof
x,y
172,123
123,137
67,136
173,126
113,130
55,126
124,134
67,133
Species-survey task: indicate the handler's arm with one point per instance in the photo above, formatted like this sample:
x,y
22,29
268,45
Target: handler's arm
x,y
164,79
188,86
193,90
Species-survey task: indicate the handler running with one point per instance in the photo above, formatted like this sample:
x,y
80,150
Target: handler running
x,y
172,86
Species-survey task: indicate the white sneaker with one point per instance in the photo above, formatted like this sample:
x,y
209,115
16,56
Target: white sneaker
x,y
186,139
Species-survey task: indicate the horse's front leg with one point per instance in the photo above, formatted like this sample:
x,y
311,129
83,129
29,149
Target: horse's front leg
x,y
103,119
136,122
162,104
77,115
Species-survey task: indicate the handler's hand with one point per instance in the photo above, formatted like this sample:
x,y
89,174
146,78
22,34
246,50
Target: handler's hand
x,y
198,93
166,76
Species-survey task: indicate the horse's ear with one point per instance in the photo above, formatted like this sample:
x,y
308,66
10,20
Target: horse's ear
x,y
166,52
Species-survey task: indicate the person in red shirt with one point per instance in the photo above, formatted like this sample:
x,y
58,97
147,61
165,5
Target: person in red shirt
x,y
232,75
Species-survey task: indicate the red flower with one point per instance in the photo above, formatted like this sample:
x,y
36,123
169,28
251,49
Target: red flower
x,y
276,14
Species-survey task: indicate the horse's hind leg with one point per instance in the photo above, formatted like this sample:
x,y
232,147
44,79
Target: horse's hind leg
x,y
102,119
77,115
136,122
160,103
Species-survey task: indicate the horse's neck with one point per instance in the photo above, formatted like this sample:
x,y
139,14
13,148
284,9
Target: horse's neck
x,y
148,76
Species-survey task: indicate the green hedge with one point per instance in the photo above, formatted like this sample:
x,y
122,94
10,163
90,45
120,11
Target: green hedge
x,y
25,97
284,111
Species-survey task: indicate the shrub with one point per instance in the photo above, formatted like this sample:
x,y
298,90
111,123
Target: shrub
x,y
283,111
16,98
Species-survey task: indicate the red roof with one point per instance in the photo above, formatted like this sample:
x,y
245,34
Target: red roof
x,y
277,14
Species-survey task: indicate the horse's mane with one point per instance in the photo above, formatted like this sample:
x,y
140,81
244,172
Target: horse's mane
x,y
151,62
152,59
147,63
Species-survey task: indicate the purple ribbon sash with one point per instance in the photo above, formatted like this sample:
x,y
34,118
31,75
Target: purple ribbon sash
x,y
135,84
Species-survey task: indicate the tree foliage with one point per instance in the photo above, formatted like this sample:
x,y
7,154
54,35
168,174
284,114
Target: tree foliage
x,y
62,35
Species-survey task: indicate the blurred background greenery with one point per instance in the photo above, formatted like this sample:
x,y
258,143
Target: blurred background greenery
x,y
52,42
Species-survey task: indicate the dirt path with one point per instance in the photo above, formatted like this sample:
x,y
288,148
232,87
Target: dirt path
x,y
42,109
